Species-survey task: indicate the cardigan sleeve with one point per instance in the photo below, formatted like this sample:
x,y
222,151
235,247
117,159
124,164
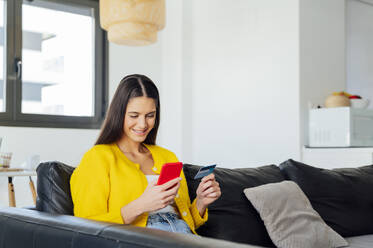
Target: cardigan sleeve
x,y
90,188
198,219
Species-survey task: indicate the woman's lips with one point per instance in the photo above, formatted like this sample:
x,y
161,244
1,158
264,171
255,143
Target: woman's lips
x,y
142,132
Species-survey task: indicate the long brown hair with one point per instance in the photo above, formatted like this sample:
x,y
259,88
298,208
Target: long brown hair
x,y
131,86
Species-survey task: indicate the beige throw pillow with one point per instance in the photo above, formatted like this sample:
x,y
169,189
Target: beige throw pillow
x,y
289,218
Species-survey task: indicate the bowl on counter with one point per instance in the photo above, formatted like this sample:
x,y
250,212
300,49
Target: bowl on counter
x,y
359,103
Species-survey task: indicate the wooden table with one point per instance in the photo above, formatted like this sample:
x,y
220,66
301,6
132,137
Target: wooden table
x,y
14,172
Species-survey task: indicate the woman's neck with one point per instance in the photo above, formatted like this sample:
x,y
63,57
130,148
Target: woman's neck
x,y
128,146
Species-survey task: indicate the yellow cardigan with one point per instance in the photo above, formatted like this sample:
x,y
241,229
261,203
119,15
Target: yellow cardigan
x,y
106,180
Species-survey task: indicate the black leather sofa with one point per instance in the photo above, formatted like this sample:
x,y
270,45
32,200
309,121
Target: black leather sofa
x,y
25,228
233,222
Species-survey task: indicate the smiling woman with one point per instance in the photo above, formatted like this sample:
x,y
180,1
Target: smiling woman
x,y
116,179
135,93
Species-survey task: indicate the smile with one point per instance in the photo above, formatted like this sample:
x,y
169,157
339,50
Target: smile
x,y
142,132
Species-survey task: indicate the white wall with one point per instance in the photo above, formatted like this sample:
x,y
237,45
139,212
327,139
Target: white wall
x,y
360,48
125,60
171,93
65,145
245,86
322,54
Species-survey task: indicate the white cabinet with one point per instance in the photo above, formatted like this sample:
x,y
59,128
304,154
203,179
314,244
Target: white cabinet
x,y
341,127
337,157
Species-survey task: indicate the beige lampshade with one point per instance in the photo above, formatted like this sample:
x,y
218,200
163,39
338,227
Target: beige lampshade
x,y
132,22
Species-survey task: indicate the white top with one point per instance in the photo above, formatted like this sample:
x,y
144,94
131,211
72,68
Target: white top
x,y
169,208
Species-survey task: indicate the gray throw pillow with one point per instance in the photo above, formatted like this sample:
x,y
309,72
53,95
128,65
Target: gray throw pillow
x,y
289,217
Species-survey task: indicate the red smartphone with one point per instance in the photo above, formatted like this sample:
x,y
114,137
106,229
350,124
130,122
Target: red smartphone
x,y
169,171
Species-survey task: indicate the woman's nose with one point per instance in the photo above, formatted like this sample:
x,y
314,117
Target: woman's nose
x,y
142,123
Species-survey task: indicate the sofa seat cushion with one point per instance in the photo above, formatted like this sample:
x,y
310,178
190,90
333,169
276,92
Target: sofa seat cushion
x,y
232,217
342,197
53,188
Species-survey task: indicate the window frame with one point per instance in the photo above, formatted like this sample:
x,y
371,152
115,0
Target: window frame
x,y
13,115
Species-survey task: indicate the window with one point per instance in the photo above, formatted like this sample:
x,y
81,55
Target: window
x,y
53,65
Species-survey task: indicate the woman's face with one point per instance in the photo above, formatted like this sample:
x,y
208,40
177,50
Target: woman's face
x,y
139,118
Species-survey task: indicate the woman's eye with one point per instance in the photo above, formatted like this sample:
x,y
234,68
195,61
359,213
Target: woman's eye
x,y
150,116
133,116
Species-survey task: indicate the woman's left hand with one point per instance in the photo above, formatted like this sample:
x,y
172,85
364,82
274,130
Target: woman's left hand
x,y
208,191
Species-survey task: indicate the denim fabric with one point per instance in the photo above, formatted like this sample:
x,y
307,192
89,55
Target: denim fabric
x,y
168,222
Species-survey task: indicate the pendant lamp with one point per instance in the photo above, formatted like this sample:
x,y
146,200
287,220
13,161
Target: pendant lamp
x,y
132,22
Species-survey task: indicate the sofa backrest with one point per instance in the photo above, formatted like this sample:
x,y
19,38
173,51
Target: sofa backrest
x,y
343,197
339,196
232,217
53,188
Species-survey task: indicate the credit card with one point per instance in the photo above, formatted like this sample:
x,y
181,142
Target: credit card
x,y
204,171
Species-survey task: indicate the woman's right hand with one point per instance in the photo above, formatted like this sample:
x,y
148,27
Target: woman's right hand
x,y
156,197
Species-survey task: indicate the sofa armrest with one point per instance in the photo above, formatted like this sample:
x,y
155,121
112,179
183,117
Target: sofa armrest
x,y
30,207
31,228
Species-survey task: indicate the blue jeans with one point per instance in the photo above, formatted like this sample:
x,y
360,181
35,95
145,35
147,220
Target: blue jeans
x,y
168,222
